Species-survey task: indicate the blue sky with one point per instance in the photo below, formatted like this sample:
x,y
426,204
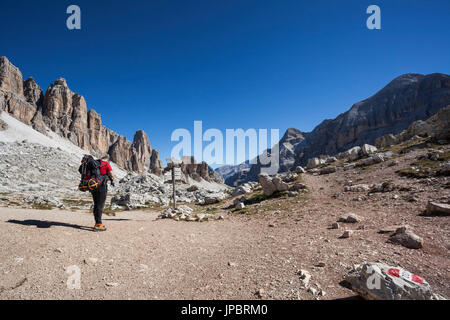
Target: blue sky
x,y
160,65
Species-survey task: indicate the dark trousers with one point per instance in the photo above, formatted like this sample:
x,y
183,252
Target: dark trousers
x,y
99,197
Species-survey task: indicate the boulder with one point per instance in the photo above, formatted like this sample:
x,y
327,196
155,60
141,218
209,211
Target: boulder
x,y
406,238
289,177
347,234
204,217
305,277
386,186
330,160
389,229
374,159
240,206
379,281
328,170
349,218
241,190
297,187
239,200
351,154
440,209
280,184
90,261
129,201
271,185
299,170
212,199
266,183
335,225
313,163
349,166
182,212
368,149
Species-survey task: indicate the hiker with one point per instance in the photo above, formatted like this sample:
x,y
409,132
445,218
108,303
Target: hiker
x,y
95,175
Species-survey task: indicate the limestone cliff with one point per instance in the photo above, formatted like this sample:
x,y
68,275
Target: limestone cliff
x,y
65,113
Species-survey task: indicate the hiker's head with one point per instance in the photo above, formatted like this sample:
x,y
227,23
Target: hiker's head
x,y
105,157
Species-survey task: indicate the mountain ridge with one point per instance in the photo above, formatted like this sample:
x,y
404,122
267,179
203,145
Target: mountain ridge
x,y
64,112
405,99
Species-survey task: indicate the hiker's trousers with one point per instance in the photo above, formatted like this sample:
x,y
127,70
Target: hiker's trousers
x,y
99,197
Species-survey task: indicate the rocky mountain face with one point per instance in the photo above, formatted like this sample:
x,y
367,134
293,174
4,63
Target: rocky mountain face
x,y
65,113
436,127
288,147
408,98
195,170
229,171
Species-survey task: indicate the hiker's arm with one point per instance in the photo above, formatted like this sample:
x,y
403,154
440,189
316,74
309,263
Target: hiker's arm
x,y
111,175
111,178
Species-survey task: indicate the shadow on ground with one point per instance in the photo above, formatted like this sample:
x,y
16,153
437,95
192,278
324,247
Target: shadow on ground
x,y
48,224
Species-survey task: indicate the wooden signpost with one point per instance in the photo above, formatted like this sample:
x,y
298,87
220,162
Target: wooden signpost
x,y
174,166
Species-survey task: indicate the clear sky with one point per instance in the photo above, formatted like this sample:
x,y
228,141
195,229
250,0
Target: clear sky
x,y
159,65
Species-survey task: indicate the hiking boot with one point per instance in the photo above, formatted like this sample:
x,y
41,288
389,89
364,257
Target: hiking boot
x,y
99,227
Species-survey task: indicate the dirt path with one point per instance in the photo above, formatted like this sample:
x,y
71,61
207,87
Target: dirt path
x,y
140,257
219,259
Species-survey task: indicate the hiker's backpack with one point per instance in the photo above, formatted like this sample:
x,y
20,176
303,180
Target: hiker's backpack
x,y
90,174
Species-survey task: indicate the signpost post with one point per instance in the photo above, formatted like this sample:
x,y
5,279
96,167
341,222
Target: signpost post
x,y
172,164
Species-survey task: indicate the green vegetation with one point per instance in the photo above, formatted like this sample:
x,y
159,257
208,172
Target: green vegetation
x,y
401,148
386,184
76,203
425,168
43,206
259,197
245,210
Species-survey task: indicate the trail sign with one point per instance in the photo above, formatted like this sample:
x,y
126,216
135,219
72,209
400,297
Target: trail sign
x,y
174,165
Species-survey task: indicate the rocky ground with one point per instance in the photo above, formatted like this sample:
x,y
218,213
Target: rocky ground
x,y
39,176
258,252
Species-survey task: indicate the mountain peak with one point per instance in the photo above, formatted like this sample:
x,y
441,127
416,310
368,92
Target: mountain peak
x,y
61,82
